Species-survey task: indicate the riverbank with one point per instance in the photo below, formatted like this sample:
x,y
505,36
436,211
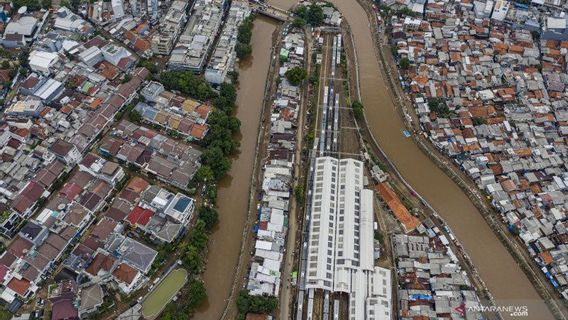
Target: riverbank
x,y
234,190
247,238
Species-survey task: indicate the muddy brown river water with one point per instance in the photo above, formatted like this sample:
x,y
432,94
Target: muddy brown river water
x,y
233,194
503,277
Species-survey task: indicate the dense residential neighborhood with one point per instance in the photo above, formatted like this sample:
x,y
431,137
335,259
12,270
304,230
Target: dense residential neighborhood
x,y
283,159
488,80
99,159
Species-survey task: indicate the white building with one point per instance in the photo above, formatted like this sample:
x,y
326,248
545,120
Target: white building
x,y
117,8
91,56
341,242
68,21
500,10
41,61
180,208
223,58
25,27
113,53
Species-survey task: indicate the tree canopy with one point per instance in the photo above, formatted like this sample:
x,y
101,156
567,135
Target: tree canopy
x,y
296,75
244,35
357,110
256,304
187,83
439,107
210,216
312,14
404,63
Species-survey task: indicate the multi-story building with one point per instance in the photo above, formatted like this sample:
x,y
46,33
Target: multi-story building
x,y
195,43
340,247
223,58
170,28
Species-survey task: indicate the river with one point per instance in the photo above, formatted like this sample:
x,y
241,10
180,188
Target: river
x,y
503,277
233,195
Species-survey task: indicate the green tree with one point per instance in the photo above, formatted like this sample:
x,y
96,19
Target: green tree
x,y
298,22
227,97
192,259
216,160
204,173
134,116
299,193
210,216
478,121
197,293
244,36
404,63
357,110
188,83
243,50
314,16
301,11
439,107
256,304
4,313
5,64
23,58
379,236
233,76
296,75
151,66
210,193
32,5
198,236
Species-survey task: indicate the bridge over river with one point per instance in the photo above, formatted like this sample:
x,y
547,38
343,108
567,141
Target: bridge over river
x,y
269,10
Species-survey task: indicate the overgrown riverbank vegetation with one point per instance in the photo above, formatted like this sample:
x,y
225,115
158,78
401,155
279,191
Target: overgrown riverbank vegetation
x,y
243,47
218,147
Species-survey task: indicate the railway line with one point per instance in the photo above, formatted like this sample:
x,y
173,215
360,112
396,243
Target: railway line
x,y
311,304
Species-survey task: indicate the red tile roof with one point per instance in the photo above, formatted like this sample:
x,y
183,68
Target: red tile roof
x,y
125,273
19,286
409,221
70,190
139,216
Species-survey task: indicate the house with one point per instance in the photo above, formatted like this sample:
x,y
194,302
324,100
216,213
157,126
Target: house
x,y
20,31
25,201
35,233
139,217
42,61
114,53
180,208
127,278
66,152
49,91
30,107
137,255
64,309
91,298
91,56
555,28
69,21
